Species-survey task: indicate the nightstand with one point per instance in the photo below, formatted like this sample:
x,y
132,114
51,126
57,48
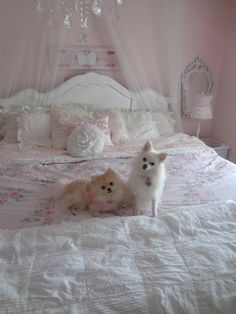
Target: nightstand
x,y
221,149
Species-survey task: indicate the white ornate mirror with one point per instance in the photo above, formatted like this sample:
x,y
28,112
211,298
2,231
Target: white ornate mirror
x,y
196,80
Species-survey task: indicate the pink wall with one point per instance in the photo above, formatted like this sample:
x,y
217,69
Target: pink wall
x,y
25,40
224,127
206,25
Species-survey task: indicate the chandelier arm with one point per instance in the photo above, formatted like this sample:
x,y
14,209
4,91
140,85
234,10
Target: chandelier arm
x,y
85,8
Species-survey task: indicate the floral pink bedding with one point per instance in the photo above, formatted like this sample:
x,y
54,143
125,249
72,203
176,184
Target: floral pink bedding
x,y
196,175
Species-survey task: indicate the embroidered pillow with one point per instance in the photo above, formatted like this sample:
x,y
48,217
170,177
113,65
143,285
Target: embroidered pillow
x,y
60,118
34,129
100,123
65,119
85,140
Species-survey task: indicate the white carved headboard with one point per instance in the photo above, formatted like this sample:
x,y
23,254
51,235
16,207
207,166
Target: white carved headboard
x,y
89,88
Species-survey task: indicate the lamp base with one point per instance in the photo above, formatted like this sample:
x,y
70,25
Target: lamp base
x,y
198,128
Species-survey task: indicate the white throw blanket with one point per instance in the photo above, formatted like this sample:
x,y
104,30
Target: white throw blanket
x,y
181,262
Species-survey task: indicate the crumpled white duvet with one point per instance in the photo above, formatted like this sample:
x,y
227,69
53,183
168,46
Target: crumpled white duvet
x,y
182,262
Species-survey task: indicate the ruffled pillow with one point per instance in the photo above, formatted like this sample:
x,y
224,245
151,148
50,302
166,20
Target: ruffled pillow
x,y
165,123
61,117
140,125
65,119
119,134
85,140
101,123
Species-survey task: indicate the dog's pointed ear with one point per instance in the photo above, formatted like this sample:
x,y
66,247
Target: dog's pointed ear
x,y
147,146
110,171
162,156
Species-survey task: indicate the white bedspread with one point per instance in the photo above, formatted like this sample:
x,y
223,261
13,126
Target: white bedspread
x,y
181,262
195,175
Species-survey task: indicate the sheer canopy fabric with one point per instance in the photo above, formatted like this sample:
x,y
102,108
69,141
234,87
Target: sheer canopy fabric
x,y
149,46
146,35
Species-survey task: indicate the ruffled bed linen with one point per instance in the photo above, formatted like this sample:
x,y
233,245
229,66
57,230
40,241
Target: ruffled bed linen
x,y
13,152
182,262
196,175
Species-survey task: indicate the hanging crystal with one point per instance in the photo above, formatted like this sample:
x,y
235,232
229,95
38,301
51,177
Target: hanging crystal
x,y
120,2
84,7
67,20
51,21
39,7
84,24
83,37
96,8
76,5
114,11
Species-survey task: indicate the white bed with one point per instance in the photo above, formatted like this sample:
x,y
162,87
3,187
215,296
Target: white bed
x,y
184,261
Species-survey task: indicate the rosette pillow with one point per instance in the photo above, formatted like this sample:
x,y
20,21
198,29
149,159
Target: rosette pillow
x,y
85,140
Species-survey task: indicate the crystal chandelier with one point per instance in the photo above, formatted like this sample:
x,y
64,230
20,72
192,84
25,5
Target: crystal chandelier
x,y
84,8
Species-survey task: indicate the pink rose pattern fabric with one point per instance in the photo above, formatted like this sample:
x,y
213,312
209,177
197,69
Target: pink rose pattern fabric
x,y
194,177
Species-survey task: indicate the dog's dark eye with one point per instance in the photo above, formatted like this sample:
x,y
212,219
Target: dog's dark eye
x,y
103,187
144,159
111,183
152,163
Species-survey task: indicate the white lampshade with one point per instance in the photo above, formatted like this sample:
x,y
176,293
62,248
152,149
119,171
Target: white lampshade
x,y
201,109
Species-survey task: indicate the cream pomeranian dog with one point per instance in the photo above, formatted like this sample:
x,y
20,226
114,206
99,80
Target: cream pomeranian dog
x,y
147,179
102,193
107,193
75,193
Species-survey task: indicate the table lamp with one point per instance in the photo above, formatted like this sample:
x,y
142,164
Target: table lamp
x,y
201,110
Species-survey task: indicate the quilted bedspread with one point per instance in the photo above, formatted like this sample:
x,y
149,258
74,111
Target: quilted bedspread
x,y
195,175
182,262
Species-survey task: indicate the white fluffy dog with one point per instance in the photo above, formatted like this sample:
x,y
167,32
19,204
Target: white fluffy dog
x,y
147,179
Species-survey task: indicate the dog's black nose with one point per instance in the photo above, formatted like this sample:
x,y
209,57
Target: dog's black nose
x,y
109,190
144,166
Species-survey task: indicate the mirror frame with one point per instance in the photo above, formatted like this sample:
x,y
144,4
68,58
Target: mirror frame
x,y
197,66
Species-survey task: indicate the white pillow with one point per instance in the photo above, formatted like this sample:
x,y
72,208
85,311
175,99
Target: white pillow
x,y
10,115
34,129
140,125
61,118
10,122
1,118
85,140
148,100
119,134
64,119
165,123
10,125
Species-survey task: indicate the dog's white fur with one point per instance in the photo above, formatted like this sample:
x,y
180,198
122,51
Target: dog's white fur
x,y
147,179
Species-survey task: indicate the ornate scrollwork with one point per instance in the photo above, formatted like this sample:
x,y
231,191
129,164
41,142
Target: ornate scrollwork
x,y
196,67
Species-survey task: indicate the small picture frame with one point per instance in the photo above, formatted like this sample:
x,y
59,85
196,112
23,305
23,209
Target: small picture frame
x,y
78,58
